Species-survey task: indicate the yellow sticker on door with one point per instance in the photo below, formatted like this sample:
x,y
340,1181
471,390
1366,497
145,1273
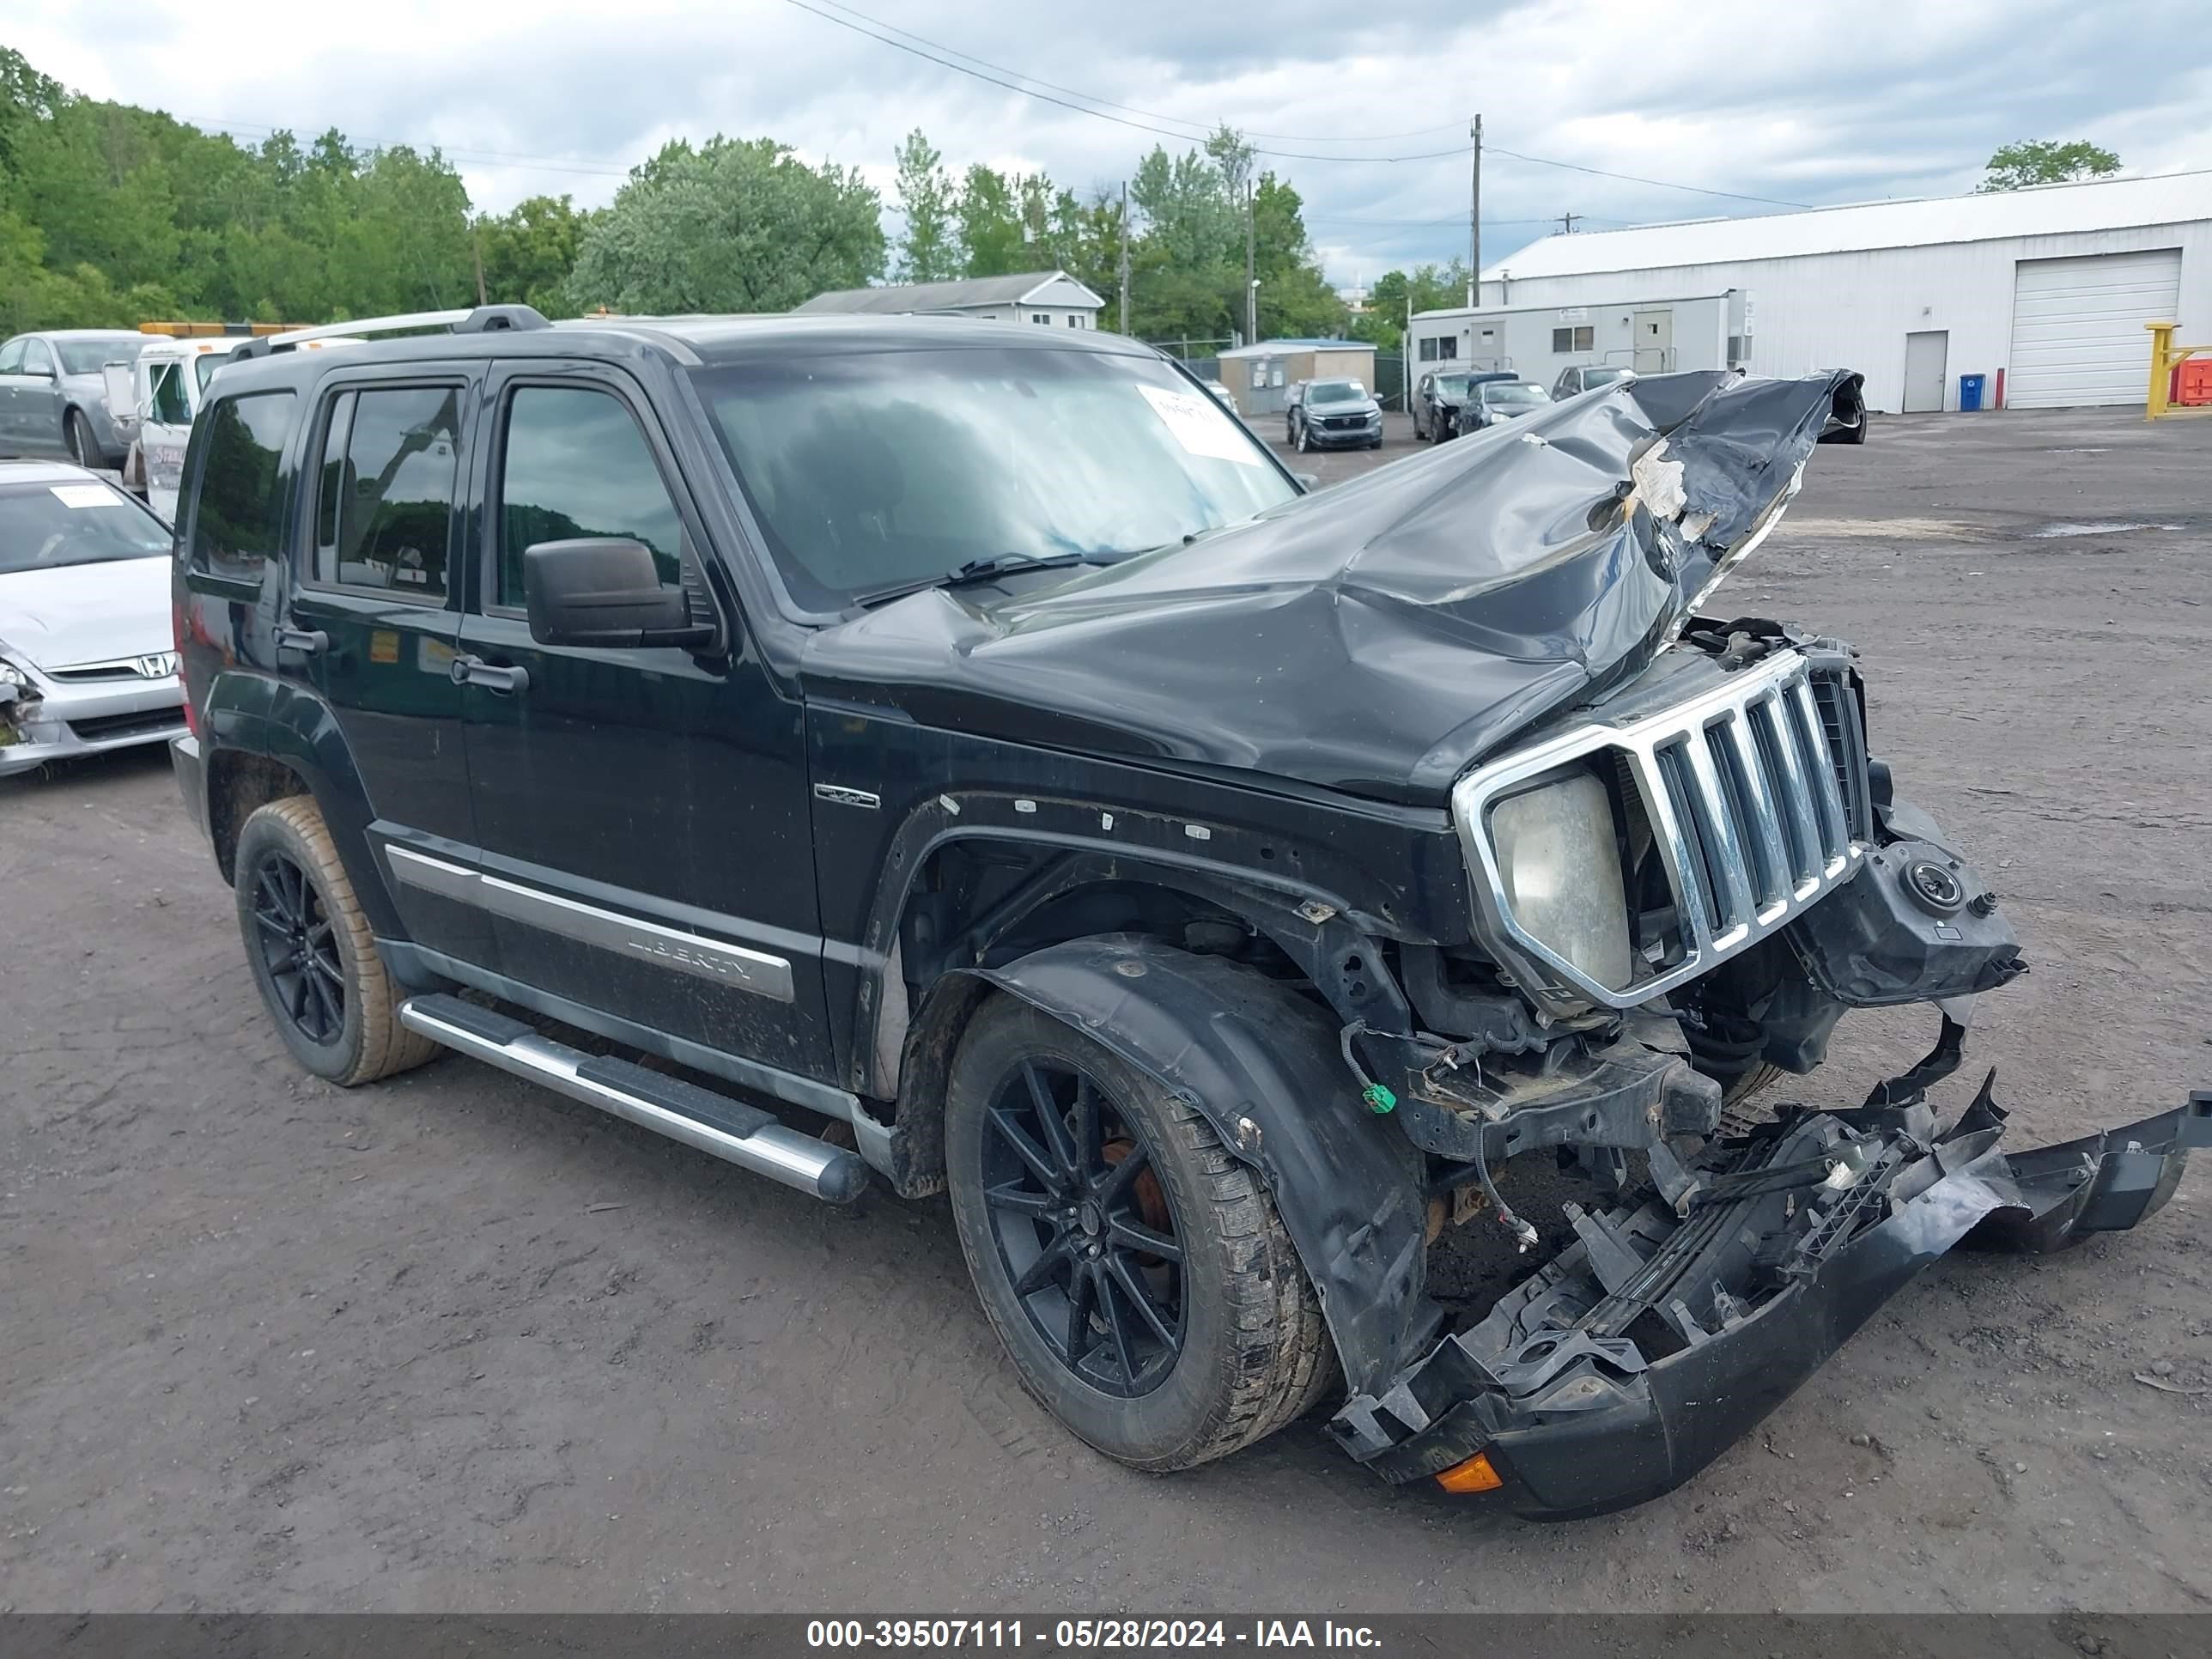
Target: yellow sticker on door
x,y
384,645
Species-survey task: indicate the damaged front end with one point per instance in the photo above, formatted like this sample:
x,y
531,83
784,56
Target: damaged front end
x,y
1627,1363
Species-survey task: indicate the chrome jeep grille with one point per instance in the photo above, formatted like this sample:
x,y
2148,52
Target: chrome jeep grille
x,y
1751,794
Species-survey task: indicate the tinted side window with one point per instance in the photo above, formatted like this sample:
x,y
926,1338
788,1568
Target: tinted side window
x,y
37,360
384,513
576,464
238,519
11,356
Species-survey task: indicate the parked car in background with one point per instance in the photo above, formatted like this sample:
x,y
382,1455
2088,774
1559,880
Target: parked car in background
x,y
1335,414
88,660
54,396
1583,376
1437,397
1493,401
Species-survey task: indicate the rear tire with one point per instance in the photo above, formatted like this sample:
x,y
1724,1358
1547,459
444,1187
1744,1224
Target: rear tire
x,y
78,436
312,953
1239,1349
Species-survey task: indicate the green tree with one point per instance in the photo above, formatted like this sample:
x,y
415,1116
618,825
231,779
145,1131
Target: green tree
x,y
1430,288
529,251
991,232
735,225
928,248
1295,301
2047,161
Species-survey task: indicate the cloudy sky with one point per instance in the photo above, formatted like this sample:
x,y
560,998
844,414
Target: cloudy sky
x,y
1808,102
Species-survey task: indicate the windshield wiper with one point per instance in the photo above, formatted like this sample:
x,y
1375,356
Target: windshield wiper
x,y
975,570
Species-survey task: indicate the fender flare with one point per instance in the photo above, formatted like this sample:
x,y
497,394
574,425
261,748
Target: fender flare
x,y
258,715
1262,1064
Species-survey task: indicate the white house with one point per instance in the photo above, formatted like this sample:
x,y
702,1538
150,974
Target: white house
x,y
1052,299
2047,288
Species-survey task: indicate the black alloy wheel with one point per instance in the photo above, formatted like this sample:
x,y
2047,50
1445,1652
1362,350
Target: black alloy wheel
x,y
1084,1228
299,949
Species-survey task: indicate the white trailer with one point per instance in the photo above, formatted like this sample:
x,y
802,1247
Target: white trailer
x,y
1652,337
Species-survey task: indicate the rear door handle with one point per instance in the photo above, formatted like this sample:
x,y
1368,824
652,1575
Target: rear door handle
x,y
475,670
306,641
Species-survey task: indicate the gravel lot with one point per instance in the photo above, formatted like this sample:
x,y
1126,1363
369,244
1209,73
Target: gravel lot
x,y
450,1343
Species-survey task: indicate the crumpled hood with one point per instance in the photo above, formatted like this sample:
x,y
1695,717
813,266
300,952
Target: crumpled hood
x,y
81,613
1378,637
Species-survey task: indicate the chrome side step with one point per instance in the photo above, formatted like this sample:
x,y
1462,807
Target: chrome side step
x,y
713,1124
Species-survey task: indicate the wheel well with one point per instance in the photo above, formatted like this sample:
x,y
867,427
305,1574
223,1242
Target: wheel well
x,y
239,784
979,904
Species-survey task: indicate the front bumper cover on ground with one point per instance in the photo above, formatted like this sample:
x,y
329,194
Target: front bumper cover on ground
x,y
1628,1364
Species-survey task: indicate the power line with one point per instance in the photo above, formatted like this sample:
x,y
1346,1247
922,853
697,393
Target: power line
x,y
1100,114
1131,109
1662,184
924,50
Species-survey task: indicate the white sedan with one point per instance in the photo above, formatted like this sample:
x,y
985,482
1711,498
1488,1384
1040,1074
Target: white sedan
x,y
87,662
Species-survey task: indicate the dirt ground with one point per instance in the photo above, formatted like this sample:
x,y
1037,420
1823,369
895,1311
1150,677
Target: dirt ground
x,y
451,1343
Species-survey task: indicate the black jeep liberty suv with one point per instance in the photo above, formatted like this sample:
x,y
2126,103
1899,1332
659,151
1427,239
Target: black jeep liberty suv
x,y
960,757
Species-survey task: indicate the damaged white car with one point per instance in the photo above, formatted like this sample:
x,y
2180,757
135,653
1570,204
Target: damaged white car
x,y
87,662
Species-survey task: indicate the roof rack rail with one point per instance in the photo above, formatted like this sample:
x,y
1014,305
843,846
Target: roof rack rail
x,y
482,319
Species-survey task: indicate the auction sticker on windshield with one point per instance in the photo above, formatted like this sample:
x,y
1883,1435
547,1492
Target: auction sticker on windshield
x,y
1196,422
86,495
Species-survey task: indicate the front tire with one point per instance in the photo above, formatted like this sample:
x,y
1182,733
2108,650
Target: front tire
x,y
1304,439
1139,1276
76,437
312,953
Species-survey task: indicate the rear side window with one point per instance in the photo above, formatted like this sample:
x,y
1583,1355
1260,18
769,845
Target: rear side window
x,y
384,508
238,521
576,464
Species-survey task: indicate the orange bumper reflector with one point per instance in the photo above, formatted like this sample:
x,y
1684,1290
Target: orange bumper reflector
x,y
1474,1475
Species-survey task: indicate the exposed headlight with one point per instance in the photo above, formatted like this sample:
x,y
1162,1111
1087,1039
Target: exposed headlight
x,y
1561,871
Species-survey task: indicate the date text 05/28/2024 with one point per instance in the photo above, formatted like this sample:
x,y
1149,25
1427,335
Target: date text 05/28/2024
x,y
1087,1634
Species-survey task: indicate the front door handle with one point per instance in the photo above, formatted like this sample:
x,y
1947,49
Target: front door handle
x,y
306,641
475,670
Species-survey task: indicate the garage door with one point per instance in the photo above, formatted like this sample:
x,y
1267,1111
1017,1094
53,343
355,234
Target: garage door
x,y
2077,327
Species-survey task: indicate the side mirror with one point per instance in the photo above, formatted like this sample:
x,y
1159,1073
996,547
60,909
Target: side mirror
x,y
1307,480
604,591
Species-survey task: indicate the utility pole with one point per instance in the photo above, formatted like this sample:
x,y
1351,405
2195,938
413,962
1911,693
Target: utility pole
x,y
1405,348
1474,222
1125,256
1251,286
1567,222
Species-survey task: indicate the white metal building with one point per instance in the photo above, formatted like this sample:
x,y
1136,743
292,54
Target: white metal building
x,y
1651,336
1052,299
2049,287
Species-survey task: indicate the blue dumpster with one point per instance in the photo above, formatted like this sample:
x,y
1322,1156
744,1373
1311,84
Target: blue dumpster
x,y
1970,390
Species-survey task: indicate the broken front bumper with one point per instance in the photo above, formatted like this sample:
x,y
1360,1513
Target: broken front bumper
x,y
1628,1364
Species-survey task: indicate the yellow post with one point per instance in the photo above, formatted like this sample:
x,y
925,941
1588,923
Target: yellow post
x,y
2165,357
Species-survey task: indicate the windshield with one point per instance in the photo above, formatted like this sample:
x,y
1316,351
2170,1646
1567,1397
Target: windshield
x,y
86,356
1514,392
1600,377
867,470
1337,392
1451,386
44,526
